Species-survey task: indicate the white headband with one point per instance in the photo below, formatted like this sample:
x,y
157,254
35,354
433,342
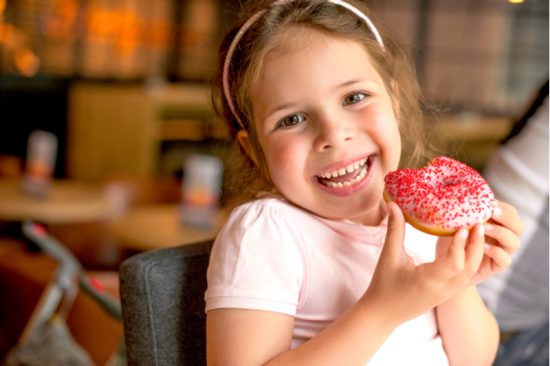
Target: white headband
x,y
253,19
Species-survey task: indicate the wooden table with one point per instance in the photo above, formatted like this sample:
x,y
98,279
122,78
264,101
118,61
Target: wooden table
x,y
158,226
67,201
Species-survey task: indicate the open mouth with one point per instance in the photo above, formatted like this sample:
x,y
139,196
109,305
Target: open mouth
x,y
346,176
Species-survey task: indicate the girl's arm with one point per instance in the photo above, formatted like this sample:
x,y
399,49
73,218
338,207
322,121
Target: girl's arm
x,y
253,337
469,331
399,291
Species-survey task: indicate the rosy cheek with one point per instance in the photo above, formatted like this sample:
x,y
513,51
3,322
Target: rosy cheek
x,y
279,159
383,130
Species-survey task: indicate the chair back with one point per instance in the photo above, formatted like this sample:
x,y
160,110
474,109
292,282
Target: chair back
x,y
162,297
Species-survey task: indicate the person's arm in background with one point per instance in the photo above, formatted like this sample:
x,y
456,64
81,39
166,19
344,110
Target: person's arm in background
x,y
518,172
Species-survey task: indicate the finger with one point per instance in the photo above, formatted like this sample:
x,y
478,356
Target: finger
x,y
507,215
501,258
501,236
456,254
450,261
393,247
475,248
443,245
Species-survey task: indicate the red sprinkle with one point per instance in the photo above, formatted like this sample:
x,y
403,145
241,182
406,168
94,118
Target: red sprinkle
x,y
442,197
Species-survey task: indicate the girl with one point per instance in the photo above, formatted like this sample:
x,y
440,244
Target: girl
x,y
317,269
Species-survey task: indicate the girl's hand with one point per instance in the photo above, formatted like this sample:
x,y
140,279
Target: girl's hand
x,y
501,241
404,290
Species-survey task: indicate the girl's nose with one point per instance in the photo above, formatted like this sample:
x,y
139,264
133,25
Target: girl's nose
x,y
333,133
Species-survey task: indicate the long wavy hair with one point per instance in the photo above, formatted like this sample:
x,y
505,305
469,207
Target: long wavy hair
x,y
244,177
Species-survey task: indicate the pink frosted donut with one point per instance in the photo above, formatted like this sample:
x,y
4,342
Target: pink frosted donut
x,y
442,197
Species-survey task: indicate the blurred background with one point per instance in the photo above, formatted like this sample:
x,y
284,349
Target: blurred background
x,y
123,87
78,67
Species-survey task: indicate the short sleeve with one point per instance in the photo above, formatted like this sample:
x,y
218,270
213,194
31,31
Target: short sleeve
x,y
255,262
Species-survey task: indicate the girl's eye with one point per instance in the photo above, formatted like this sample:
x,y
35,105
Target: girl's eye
x,y
291,121
354,98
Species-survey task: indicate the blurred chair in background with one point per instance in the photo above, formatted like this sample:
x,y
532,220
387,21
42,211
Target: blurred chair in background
x,y
518,173
24,275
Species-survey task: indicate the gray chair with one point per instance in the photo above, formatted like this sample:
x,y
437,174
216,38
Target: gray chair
x,y
162,296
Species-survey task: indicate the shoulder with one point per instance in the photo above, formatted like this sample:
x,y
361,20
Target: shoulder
x,y
270,205
261,228
272,212
257,260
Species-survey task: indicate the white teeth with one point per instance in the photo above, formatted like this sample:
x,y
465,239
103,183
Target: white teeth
x,y
345,170
349,182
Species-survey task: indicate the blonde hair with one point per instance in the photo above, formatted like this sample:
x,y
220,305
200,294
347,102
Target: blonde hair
x,y
392,63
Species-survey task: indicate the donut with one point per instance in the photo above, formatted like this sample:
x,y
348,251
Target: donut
x,y
442,197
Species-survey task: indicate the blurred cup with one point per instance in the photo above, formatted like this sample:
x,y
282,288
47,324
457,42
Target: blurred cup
x,y
40,163
201,190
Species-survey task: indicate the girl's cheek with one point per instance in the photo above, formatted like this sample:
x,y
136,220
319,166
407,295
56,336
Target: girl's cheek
x,y
388,141
281,157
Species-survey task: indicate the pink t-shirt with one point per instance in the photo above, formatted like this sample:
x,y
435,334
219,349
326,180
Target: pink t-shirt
x,y
273,256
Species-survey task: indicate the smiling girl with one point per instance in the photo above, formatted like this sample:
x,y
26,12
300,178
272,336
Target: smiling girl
x,y
316,268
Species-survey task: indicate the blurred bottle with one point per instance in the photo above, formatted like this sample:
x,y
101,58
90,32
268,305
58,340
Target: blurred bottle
x,y
201,189
40,163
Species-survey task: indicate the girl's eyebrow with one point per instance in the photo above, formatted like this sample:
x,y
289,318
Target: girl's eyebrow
x,y
278,108
347,83
355,81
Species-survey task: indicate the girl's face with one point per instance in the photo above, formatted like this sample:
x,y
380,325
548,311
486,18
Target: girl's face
x,y
327,127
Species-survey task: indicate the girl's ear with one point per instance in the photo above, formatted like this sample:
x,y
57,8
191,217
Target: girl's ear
x,y
244,140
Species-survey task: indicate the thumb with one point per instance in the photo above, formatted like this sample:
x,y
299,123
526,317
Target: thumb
x,y
393,246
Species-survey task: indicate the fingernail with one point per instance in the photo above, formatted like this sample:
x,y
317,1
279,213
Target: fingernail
x,y
481,230
488,247
463,233
497,211
488,227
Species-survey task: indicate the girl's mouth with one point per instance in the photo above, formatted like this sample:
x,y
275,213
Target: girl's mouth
x,y
346,176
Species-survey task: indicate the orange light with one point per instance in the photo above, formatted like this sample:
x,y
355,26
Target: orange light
x,y
26,62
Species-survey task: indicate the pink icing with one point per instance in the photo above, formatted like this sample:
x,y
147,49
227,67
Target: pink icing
x,y
445,195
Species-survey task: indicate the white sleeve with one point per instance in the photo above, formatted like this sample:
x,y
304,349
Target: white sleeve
x,y
255,263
